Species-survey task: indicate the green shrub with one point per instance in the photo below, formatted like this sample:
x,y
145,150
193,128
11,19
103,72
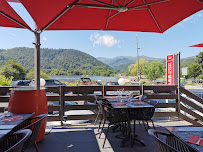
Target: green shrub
x,y
5,81
30,75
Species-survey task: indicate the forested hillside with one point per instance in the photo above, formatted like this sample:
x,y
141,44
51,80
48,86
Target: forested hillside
x,y
52,58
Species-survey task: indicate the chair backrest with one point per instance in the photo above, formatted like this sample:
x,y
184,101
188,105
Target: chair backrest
x,y
35,126
170,143
113,115
15,141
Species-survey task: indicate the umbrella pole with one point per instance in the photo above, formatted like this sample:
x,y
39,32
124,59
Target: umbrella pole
x,y
37,58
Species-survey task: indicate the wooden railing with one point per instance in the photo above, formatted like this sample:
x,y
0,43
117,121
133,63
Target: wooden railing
x,y
86,93
191,107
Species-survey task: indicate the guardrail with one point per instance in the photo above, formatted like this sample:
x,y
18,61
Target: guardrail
x,y
86,93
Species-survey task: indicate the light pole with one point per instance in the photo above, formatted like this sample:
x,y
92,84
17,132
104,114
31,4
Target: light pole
x,y
137,60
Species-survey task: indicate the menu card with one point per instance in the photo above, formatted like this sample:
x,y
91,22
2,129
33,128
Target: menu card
x,y
11,119
195,140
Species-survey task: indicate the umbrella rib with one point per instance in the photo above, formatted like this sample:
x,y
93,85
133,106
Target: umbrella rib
x,y
60,14
129,3
107,22
103,3
117,3
153,16
147,4
124,2
96,6
14,20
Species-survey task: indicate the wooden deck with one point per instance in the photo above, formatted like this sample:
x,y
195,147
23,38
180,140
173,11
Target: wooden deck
x,y
84,137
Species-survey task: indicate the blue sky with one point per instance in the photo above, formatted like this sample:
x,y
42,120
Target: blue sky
x,y
112,43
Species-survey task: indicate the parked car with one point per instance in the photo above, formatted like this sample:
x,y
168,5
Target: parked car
x,y
112,83
20,83
157,82
49,82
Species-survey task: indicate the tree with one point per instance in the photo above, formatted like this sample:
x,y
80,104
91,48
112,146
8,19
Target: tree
x,y
133,67
30,75
5,81
13,69
194,70
199,59
154,70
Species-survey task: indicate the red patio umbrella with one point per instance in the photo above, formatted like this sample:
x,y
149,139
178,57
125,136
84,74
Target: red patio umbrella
x,y
9,18
121,15
197,45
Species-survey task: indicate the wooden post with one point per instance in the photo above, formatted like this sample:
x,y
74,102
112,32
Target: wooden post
x,y
179,85
61,113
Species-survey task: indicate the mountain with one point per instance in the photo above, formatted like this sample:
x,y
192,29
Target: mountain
x,y
122,62
53,58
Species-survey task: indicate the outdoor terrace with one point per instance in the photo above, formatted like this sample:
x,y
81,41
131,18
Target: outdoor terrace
x,y
80,137
84,137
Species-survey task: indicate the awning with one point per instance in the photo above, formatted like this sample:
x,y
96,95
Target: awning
x,y
197,45
121,15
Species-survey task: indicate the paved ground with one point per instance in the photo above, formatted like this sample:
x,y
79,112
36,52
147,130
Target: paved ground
x,y
84,137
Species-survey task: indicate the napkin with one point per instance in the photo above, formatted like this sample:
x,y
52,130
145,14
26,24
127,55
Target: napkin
x,y
140,103
195,140
11,119
118,103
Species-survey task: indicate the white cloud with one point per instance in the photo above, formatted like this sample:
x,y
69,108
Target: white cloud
x,y
193,18
119,46
107,40
44,38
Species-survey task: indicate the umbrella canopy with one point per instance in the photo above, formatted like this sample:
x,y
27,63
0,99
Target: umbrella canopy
x,y
9,18
197,45
122,15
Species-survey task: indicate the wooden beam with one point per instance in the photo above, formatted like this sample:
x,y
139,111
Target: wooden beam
x,y
162,96
194,114
165,114
167,105
190,120
191,104
54,118
191,95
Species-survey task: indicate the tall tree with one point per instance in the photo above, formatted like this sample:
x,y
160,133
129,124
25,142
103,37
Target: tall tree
x,y
30,75
13,69
133,67
194,70
199,59
154,70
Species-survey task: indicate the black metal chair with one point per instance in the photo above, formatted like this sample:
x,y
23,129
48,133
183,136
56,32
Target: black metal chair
x,y
15,141
169,142
34,124
144,114
99,111
112,115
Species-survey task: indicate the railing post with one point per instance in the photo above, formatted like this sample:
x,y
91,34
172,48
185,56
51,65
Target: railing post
x,y
61,112
179,85
142,90
104,91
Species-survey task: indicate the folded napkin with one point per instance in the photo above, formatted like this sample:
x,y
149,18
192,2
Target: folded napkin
x,y
195,140
118,103
140,103
10,119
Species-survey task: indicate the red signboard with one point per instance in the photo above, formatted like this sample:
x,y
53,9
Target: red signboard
x,y
169,64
